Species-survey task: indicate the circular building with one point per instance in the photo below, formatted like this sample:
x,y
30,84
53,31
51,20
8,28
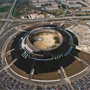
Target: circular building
x,y
45,44
44,49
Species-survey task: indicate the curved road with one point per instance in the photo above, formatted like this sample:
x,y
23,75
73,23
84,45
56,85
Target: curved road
x,y
26,80
9,16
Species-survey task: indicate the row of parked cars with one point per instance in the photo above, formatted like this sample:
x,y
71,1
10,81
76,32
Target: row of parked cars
x,y
79,84
82,83
8,83
1,65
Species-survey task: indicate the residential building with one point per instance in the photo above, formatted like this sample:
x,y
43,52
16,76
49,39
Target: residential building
x,y
42,0
85,9
74,5
34,1
38,4
51,7
64,2
54,4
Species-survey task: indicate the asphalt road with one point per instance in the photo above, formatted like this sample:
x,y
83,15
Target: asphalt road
x,y
45,19
9,16
12,74
27,81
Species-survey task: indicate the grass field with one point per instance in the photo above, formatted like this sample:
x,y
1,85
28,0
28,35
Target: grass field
x,y
17,14
4,9
23,1
19,9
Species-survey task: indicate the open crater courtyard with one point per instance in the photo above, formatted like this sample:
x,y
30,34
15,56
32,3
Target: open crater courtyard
x,y
46,40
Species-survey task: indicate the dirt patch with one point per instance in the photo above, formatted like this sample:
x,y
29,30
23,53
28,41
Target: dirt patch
x,y
9,59
82,32
18,71
46,40
84,56
9,45
74,68
46,76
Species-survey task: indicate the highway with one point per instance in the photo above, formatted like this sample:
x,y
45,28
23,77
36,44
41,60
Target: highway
x,y
45,19
9,16
11,10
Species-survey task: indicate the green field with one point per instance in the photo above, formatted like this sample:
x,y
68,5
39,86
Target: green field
x,y
5,1
21,5
17,14
57,41
4,9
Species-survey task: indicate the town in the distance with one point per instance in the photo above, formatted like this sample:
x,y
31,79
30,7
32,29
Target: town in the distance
x,y
44,44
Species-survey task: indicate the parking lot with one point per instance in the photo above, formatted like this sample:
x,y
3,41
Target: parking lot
x,y
6,36
7,82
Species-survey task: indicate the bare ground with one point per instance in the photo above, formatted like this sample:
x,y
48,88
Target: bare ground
x,y
19,71
46,76
84,56
47,41
74,68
